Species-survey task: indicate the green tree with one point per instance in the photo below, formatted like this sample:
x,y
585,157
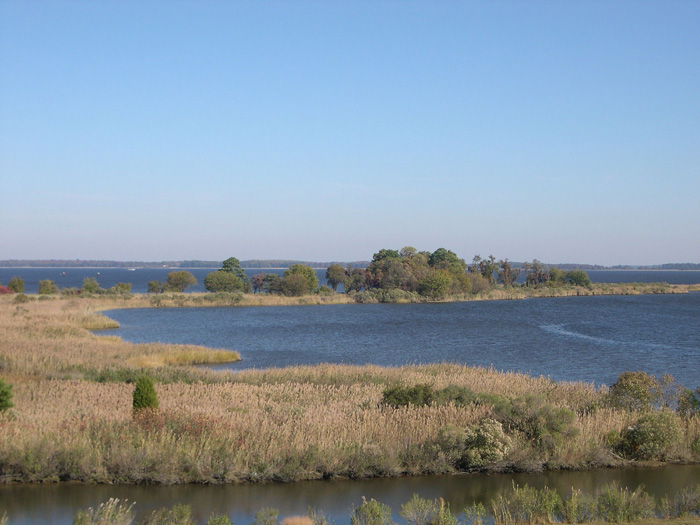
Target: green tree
x,y
535,273
578,278
16,284
90,285
356,280
178,281
507,275
335,274
233,265
436,284
447,260
223,281
47,287
635,391
5,396
144,394
299,279
155,287
556,276
272,283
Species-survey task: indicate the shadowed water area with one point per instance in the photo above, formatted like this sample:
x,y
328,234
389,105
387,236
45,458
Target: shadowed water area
x,y
589,339
31,504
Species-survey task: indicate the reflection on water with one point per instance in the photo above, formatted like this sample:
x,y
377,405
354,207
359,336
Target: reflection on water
x,y
58,504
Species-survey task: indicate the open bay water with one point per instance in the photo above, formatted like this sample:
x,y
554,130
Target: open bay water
x,y
139,277
590,339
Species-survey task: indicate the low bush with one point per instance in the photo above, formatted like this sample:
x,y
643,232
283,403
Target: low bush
x,y
635,391
618,505
418,395
5,396
651,437
542,423
473,447
371,513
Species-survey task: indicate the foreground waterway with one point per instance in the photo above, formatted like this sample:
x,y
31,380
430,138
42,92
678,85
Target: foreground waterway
x,y
591,339
32,504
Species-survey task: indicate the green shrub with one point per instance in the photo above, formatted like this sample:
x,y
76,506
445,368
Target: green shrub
x,y
458,395
651,437
21,298
526,505
266,516
418,395
473,447
16,284
5,396
542,423
223,281
635,391
144,394
90,285
689,402
617,505
47,287
684,503
177,515
113,512
371,513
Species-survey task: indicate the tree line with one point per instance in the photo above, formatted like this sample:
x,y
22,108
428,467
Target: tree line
x,y
391,275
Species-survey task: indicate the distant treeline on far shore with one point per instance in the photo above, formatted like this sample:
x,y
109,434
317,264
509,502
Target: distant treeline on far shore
x,y
286,263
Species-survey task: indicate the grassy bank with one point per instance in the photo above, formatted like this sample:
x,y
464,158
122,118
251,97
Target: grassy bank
x,y
72,417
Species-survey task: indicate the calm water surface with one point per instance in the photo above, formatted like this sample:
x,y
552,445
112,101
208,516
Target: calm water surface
x,y
32,504
589,339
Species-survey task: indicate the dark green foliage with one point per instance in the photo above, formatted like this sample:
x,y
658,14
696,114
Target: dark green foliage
x,y
298,280
356,280
47,287
689,402
578,278
635,391
436,284
398,396
458,395
335,275
90,285
16,284
144,394
233,266
223,281
178,281
5,396
155,287
651,437
120,289
542,423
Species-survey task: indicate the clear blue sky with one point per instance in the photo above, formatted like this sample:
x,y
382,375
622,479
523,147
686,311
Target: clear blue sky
x,y
566,131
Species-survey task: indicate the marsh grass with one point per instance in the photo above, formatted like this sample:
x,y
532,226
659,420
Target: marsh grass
x,y
305,422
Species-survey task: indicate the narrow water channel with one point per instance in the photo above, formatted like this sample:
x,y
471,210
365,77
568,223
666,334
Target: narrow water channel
x,y
58,504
